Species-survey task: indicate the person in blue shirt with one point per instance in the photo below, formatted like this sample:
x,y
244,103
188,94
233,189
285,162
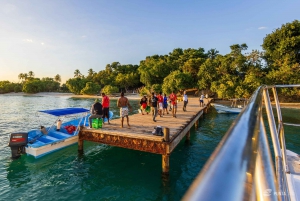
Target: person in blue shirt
x,y
165,104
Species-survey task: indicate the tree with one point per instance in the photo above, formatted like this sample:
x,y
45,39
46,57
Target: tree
x,y
177,81
108,89
57,78
75,85
30,74
282,53
212,53
77,74
90,88
21,76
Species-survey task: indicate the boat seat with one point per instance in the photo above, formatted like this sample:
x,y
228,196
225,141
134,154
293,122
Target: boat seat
x,y
58,135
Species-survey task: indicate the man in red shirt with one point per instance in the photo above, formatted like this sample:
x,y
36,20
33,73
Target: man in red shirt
x,y
173,99
105,107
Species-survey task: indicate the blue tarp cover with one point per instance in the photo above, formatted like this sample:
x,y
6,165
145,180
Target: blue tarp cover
x,y
65,111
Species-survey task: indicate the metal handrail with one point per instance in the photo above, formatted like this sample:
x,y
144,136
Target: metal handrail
x,y
241,166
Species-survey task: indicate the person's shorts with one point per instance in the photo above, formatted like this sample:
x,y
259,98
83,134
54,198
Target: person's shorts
x,y
165,105
105,112
160,106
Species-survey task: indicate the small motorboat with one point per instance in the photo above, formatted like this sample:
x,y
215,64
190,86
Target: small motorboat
x,y
226,109
39,142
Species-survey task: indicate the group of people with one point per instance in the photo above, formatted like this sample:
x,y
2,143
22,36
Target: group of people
x,y
159,104
101,110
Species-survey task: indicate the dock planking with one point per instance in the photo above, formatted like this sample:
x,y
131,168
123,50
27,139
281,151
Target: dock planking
x,y
139,135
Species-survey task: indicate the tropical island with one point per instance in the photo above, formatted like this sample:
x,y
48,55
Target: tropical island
x,y
234,75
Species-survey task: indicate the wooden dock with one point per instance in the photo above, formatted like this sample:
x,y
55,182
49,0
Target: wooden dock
x,y
139,135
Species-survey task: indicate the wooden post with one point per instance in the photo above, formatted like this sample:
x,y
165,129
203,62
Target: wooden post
x,y
166,134
80,142
188,136
165,164
196,124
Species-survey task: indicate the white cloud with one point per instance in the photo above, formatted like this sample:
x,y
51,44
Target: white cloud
x,y
84,36
42,43
28,40
262,27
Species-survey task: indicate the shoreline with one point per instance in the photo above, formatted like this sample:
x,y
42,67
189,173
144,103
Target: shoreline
x,y
130,96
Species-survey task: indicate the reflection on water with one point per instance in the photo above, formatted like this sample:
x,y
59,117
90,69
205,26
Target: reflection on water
x,y
102,172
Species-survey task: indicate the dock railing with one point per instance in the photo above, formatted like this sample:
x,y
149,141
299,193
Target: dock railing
x,y
241,167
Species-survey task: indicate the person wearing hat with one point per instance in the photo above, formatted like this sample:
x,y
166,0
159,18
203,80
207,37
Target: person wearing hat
x,y
96,111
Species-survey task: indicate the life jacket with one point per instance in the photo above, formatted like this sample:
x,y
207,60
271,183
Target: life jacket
x,y
98,108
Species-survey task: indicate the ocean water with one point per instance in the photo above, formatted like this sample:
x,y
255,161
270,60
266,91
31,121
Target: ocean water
x,y
104,172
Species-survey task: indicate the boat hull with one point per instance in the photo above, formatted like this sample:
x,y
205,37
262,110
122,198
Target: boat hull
x,y
225,109
47,149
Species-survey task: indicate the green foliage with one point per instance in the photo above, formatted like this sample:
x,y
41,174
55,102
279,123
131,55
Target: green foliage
x,y
6,87
33,86
75,85
282,53
177,81
17,88
90,88
144,91
156,88
108,89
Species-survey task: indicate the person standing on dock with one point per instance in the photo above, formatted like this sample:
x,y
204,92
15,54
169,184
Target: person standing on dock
x,y
160,99
153,101
143,104
165,104
123,104
105,107
96,111
185,101
201,100
173,99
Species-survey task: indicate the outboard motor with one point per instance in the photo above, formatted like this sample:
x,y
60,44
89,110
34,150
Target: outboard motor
x,y
17,143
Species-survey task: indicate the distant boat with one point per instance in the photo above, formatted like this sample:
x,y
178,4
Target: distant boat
x,y
226,109
39,142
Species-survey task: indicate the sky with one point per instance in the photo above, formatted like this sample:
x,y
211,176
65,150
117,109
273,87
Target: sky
x,y
60,36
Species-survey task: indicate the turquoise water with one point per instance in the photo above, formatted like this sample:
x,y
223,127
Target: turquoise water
x,y
102,172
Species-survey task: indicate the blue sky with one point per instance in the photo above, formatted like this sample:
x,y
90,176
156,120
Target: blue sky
x,y
60,36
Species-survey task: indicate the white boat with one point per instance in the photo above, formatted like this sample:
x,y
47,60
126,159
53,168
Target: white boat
x,y
226,109
243,167
39,142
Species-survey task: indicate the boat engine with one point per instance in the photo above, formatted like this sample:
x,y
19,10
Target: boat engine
x,y
17,144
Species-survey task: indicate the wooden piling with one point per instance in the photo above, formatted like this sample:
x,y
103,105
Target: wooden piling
x,y
166,134
165,164
196,124
188,136
80,141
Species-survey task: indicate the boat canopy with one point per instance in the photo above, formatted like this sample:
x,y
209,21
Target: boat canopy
x,y
65,111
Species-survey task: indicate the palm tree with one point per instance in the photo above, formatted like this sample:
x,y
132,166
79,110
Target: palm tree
x,y
212,53
21,76
90,72
77,73
57,78
25,76
31,74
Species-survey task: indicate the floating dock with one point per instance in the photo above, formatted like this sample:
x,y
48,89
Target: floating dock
x,y
139,135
